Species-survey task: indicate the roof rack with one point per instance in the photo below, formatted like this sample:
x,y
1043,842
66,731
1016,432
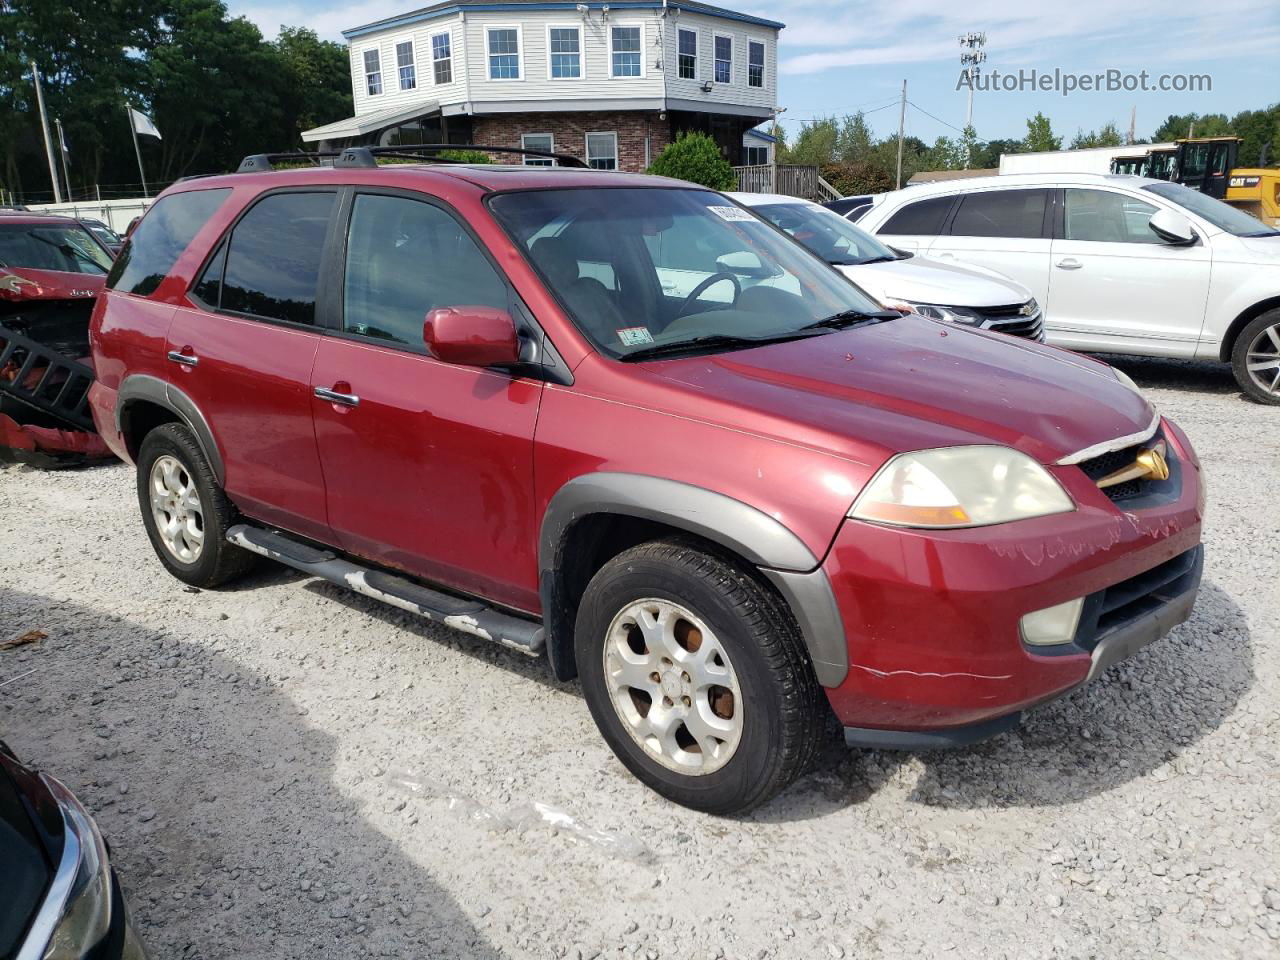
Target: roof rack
x,y
258,162
368,156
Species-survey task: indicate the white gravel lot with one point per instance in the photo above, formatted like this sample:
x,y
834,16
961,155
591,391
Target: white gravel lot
x,y
237,747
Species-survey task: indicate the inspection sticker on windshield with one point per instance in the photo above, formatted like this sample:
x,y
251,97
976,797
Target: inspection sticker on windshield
x,y
634,336
732,213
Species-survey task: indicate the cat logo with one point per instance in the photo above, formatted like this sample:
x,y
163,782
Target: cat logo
x,y
1150,464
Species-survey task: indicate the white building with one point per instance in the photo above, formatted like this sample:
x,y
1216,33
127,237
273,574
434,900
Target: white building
x,y
612,83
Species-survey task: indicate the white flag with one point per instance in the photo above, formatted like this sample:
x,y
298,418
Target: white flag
x,y
142,124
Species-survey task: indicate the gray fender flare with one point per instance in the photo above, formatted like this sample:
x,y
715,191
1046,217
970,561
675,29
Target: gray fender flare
x,y
143,387
751,534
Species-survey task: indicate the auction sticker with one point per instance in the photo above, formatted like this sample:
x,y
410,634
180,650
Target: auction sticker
x,y
732,213
634,336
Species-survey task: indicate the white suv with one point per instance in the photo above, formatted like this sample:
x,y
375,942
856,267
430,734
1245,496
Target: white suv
x,y
1119,264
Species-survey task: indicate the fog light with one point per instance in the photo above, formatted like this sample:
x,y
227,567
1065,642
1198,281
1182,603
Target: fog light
x,y
1052,624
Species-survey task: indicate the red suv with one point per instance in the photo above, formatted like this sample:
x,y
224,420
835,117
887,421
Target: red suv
x,y
482,394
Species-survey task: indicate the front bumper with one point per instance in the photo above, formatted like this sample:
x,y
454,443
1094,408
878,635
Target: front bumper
x,y
932,617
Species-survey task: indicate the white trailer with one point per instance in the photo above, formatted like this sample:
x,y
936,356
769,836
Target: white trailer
x,y
116,214
1091,160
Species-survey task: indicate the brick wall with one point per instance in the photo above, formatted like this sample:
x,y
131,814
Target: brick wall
x,y
570,132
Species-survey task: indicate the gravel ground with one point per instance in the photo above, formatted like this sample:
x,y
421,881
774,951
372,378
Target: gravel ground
x,y
286,770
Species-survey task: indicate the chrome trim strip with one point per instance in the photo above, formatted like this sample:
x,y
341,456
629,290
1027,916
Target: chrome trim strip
x,y
55,901
1106,446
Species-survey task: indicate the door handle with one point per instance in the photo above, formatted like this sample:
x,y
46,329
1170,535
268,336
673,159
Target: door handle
x,y
333,396
187,359
1069,263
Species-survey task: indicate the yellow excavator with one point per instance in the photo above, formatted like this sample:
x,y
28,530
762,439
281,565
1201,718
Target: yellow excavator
x,y
1208,164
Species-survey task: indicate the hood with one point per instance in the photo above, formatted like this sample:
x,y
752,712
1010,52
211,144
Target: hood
x,y
22,284
925,280
913,384
1264,248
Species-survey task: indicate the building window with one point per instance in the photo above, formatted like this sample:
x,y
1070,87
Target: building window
x,y
442,58
504,53
724,60
755,64
687,58
755,156
602,151
565,44
538,141
626,52
404,66
372,73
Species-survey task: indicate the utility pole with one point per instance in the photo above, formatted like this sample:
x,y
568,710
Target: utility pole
x,y
44,128
1133,124
62,149
902,123
973,55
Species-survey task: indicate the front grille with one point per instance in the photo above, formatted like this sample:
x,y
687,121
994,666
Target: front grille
x,y
1130,600
1100,466
1010,320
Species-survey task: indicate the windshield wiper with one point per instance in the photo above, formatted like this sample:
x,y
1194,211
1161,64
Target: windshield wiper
x,y
885,259
710,341
852,318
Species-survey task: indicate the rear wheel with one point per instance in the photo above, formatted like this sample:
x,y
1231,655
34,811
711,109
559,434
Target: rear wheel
x,y
697,677
1255,359
184,510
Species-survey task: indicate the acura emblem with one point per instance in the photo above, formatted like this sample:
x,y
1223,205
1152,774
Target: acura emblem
x,y
1150,464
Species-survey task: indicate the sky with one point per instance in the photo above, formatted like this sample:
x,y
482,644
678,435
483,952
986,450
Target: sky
x,y
840,56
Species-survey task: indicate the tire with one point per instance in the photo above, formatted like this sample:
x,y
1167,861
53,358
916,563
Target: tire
x,y
170,460
1259,344
767,709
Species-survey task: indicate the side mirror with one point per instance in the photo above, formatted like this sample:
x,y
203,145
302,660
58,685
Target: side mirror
x,y
1172,228
744,263
472,336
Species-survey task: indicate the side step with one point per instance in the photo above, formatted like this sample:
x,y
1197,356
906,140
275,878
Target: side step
x,y
468,616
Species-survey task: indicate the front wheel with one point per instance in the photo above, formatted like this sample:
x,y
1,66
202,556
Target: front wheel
x,y
1255,359
697,677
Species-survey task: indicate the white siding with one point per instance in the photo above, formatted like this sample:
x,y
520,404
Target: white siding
x,y
736,92
658,58
385,43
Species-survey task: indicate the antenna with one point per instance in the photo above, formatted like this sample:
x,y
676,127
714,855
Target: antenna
x,y
971,58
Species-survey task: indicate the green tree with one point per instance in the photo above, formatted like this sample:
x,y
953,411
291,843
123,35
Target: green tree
x,y
816,143
853,143
1108,136
695,157
1180,126
319,88
987,155
1255,129
1040,135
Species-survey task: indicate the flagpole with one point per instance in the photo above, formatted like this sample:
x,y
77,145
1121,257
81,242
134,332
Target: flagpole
x,y
44,128
137,149
62,149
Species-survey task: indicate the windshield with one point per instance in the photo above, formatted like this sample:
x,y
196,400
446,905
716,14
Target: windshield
x,y
640,268
102,232
53,247
1221,215
827,234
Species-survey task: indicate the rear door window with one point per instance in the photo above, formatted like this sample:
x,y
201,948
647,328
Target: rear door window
x,y
160,239
405,258
1001,213
923,217
273,258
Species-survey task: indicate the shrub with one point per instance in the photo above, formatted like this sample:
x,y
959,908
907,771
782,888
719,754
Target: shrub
x,y
696,158
465,156
857,178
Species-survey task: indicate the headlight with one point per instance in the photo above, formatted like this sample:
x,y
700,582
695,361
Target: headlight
x,y
86,904
960,487
934,311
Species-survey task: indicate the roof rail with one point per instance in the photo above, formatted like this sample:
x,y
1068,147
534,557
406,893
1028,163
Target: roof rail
x,y
368,156
258,162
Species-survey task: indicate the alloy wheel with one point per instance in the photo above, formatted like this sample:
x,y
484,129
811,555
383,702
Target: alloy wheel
x,y
1263,359
673,687
176,509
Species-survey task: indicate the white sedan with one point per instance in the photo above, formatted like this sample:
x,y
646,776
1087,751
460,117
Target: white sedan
x,y
970,295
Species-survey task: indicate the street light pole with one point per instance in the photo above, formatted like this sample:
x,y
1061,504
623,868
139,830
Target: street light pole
x,y
902,123
44,129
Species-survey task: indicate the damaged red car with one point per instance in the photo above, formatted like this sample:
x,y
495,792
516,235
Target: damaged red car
x,y
620,422
51,271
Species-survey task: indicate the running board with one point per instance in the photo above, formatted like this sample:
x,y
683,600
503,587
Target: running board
x,y
467,616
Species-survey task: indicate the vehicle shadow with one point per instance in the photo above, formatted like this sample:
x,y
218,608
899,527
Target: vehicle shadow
x,y
1130,721
225,810
1207,376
